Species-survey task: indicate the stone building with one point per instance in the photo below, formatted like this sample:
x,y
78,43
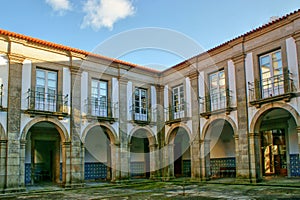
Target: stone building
x,y
68,116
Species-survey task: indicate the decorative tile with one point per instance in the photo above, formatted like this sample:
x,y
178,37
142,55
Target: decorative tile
x,y
95,171
222,167
137,169
295,165
187,168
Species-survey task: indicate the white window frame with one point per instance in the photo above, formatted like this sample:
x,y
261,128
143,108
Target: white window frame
x,y
45,90
99,98
217,90
141,104
178,102
272,80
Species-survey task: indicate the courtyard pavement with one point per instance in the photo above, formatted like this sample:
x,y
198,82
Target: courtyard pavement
x,y
279,188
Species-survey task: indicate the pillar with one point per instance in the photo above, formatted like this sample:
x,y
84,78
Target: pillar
x,y
66,164
195,145
206,146
22,161
169,157
254,157
124,154
153,160
76,157
243,166
114,158
13,124
160,123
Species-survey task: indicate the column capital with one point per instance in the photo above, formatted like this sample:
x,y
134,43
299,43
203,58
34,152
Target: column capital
x,y
239,58
75,70
194,75
153,145
253,134
296,36
159,87
15,58
68,143
123,80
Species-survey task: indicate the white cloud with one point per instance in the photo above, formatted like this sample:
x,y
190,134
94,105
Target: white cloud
x,y
105,13
59,5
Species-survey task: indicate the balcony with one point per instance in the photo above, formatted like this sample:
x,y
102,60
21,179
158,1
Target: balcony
x,y
216,103
280,87
177,113
100,110
41,103
140,115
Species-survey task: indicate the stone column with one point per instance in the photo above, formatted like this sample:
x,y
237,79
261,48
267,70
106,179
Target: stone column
x,y
169,156
13,123
124,159
195,145
206,146
202,160
296,36
22,162
114,160
3,144
254,161
153,160
237,157
66,164
76,150
243,166
160,123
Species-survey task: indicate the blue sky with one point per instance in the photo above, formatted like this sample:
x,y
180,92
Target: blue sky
x,y
88,24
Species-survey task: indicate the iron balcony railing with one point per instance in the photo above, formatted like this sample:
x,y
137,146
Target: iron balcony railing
x,y
177,111
1,95
140,113
98,108
47,102
216,101
271,87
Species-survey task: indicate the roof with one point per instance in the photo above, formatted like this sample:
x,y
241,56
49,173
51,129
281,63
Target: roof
x,y
297,12
70,49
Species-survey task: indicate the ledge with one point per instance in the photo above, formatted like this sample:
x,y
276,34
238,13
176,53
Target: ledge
x,y
286,97
206,115
183,119
59,115
98,118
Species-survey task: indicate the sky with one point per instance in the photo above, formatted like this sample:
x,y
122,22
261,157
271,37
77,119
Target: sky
x,y
153,33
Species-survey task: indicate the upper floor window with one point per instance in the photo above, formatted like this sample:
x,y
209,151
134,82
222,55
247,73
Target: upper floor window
x,y
46,90
178,102
271,73
140,104
217,90
99,98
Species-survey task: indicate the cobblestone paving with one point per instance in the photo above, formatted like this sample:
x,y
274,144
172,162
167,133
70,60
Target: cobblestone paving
x,y
163,190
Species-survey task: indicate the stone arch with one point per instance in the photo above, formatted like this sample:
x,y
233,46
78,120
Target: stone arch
x,y
111,132
150,135
171,136
2,133
214,119
58,125
255,122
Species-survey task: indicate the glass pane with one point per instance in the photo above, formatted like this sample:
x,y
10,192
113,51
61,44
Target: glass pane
x,y
52,83
103,92
40,74
103,85
52,75
40,82
94,84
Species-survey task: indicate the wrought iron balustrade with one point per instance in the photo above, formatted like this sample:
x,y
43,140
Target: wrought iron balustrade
x,y
47,102
98,108
216,102
140,113
176,111
271,87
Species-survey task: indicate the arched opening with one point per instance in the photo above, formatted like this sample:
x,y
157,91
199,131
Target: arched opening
x,y
220,150
278,146
97,160
43,154
181,152
140,155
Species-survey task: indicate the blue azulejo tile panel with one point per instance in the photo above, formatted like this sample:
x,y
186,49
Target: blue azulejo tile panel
x,y
222,167
95,171
187,168
137,169
295,165
27,173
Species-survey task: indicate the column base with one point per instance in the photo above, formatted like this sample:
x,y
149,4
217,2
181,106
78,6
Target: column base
x,y
74,185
